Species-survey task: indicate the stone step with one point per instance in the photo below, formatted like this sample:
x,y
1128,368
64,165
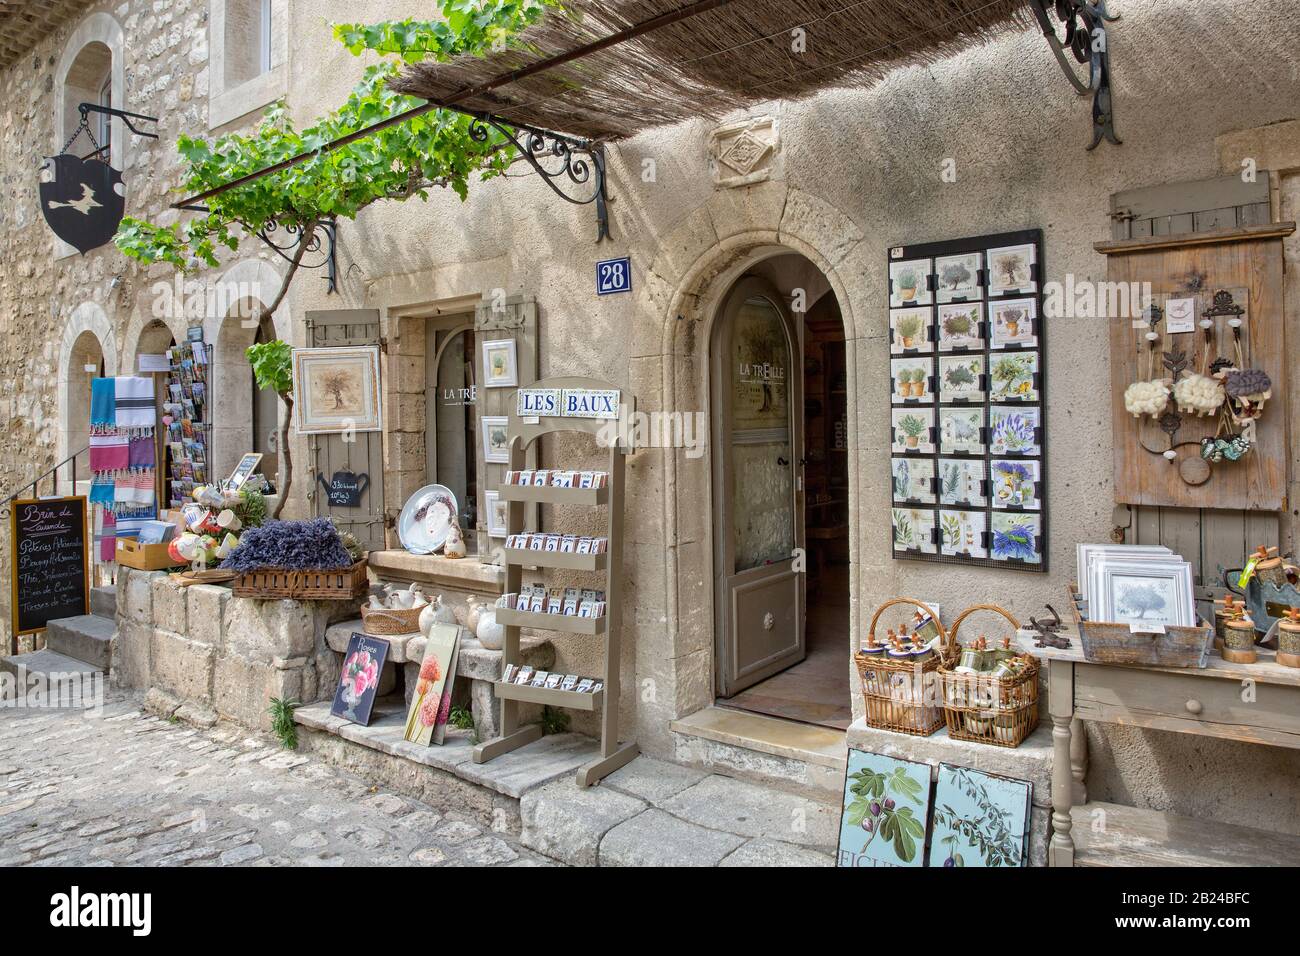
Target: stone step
x,y
54,679
86,637
103,602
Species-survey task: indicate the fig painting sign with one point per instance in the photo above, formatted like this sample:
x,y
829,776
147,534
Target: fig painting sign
x,y
886,809
83,201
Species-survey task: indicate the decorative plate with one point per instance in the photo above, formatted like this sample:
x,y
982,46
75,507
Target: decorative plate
x,y
426,519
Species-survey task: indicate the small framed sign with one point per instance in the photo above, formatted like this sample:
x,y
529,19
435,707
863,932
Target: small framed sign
x,y
243,471
614,275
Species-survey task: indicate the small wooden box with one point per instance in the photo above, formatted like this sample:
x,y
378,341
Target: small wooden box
x,y
143,557
1109,643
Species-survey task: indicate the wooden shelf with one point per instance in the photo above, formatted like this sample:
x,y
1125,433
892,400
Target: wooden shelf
x,y
568,623
1138,837
552,696
568,560
549,495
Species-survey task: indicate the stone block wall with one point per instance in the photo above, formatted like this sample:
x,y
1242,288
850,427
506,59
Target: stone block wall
x,y
204,654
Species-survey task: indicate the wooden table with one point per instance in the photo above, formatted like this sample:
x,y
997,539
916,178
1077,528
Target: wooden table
x,y
1255,703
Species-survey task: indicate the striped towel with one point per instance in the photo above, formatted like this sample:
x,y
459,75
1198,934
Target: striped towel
x,y
101,489
134,488
108,452
106,534
103,403
134,404
129,521
142,452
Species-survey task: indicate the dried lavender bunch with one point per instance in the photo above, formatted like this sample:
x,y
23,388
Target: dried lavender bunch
x,y
295,545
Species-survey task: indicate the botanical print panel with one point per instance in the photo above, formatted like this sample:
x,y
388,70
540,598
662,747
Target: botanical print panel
x,y
961,431
914,530
1011,269
1011,377
909,283
1016,537
1139,599
885,810
961,482
958,277
960,378
337,390
963,532
912,378
959,326
910,330
913,479
359,679
979,819
435,671
1015,484
1012,323
1013,430
914,429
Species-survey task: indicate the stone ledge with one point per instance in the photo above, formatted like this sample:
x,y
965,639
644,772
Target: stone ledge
x,y
465,574
475,661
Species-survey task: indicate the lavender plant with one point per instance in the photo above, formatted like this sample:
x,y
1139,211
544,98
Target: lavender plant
x,y
294,545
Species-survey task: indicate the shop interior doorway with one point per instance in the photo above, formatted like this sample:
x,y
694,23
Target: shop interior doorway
x,y
780,487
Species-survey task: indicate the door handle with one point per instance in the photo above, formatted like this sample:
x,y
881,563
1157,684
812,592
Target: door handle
x,y
782,461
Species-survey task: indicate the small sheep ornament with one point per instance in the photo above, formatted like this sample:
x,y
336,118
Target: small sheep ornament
x,y
1199,394
1146,398
1248,389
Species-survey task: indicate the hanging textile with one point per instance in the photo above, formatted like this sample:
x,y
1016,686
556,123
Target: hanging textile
x,y
122,458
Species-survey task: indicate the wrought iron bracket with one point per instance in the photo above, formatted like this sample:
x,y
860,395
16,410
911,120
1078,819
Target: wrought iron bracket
x,y
1085,40
123,115
573,169
326,248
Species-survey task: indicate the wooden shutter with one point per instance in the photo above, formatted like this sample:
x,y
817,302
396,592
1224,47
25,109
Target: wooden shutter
x,y
330,453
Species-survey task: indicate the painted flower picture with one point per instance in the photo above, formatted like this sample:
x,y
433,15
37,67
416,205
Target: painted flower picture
x,y
961,482
913,429
1011,269
1012,324
1015,484
958,277
1011,377
432,685
913,530
961,326
363,664
913,479
1015,537
1012,430
910,330
886,806
909,283
962,532
961,378
912,378
961,431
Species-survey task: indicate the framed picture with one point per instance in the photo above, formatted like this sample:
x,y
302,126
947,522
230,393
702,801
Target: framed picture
x,y
963,532
1014,431
980,820
913,530
496,438
961,482
961,326
909,283
1085,554
243,471
913,430
337,390
910,330
1015,484
1013,377
957,278
1143,593
884,813
1016,537
1011,269
497,514
912,378
359,679
499,366
436,678
913,479
961,378
961,431
1013,324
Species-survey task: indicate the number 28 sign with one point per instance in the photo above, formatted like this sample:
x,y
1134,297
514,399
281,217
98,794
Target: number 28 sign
x,y
613,275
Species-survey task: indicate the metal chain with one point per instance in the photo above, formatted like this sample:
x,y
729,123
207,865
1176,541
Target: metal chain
x,y
83,126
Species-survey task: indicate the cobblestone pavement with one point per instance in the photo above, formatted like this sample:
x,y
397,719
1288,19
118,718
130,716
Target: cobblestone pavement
x,y
129,788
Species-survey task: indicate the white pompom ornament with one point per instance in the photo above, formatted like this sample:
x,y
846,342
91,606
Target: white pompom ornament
x,y
1146,398
1199,394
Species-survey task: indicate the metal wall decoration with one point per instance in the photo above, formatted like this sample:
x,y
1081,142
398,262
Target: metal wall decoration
x,y
968,435
322,242
1085,40
84,199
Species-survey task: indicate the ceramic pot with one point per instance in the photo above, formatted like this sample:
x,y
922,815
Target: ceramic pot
x,y
1288,644
427,619
443,612
454,546
1239,642
490,633
473,608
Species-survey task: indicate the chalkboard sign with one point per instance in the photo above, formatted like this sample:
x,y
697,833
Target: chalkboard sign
x,y
345,489
50,561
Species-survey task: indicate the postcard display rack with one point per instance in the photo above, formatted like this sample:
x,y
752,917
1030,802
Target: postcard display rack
x,y
522,432
188,438
968,418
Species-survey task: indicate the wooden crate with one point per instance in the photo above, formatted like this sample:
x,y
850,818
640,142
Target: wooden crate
x,y
272,584
1109,643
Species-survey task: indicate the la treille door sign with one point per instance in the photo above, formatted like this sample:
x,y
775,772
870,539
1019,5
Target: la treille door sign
x,y
84,198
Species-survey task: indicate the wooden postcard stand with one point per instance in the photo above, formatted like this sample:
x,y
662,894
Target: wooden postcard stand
x,y
523,431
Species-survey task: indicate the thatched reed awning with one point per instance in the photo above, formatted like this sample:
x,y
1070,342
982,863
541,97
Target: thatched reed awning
x,y
657,62
25,23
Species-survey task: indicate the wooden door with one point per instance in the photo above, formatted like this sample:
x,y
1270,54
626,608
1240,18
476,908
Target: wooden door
x,y
757,487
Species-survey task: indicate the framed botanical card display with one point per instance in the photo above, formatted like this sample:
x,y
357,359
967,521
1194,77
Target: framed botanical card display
x,y
961,326
337,390
959,278
914,480
496,513
913,380
496,438
1086,554
980,820
910,330
1013,324
1013,269
968,413
909,283
1143,593
500,369
884,813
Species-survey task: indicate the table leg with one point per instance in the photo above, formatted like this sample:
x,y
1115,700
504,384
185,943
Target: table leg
x,y
1079,760
1060,702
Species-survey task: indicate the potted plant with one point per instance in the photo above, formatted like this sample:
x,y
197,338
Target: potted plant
x,y
908,280
912,427
909,329
1012,319
903,381
959,376
958,325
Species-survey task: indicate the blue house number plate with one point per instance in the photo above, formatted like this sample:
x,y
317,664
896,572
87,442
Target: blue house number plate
x,y
614,275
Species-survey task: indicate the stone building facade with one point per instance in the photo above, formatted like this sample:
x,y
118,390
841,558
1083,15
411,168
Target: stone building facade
x,y
835,182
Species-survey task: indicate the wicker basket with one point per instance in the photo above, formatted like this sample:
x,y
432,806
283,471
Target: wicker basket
x,y
1001,711
1108,643
384,622
903,697
272,584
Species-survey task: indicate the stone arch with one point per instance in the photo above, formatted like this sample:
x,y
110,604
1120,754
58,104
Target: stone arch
x,y
144,335
88,338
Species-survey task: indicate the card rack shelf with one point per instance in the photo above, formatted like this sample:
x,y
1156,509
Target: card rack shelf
x,y
522,432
